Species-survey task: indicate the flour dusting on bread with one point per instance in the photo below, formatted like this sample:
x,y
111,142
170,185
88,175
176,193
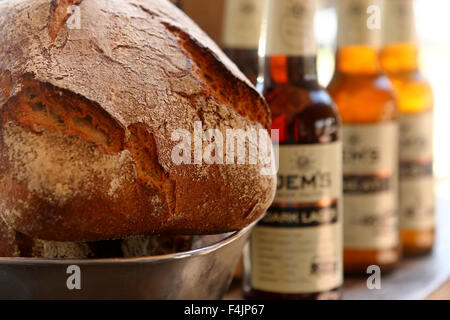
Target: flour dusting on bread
x,y
59,167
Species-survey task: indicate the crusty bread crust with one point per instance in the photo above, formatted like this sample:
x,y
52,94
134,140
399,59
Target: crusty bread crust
x,y
86,117
8,243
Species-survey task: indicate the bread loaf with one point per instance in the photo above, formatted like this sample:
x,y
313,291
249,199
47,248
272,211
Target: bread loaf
x,y
8,243
87,115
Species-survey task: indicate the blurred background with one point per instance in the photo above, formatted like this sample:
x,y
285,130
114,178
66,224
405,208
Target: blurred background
x,y
433,23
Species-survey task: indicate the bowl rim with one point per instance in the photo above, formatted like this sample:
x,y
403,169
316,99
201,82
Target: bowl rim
x,y
230,238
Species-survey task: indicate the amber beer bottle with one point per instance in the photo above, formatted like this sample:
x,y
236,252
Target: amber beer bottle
x,y
241,33
366,104
399,58
295,252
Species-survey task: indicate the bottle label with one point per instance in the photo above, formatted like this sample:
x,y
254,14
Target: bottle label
x,y
290,28
400,26
416,172
242,25
370,186
297,247
359,22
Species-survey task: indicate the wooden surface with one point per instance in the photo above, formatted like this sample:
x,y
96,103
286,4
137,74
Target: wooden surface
x,y
426,277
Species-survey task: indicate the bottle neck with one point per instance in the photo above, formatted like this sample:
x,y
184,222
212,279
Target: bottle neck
x,y
242,24
400,57
283,70
400,51
290,45
358,60
359,36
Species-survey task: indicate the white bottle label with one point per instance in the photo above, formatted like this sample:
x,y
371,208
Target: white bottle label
x,y
297,247
309,173
370,186
242,25
400,25
290,28
417,199
359,22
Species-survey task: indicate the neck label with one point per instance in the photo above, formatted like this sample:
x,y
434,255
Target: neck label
x,y
359,23
243,19
400,24
290,28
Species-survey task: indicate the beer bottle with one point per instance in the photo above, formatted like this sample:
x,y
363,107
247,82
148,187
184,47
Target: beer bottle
x,y
241,33
399,58
368,110
295,252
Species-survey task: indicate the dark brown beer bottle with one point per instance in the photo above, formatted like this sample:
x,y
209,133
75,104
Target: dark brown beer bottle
x,y
295,252
241,33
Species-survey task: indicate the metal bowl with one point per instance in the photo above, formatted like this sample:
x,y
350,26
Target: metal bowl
x,y
204,273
